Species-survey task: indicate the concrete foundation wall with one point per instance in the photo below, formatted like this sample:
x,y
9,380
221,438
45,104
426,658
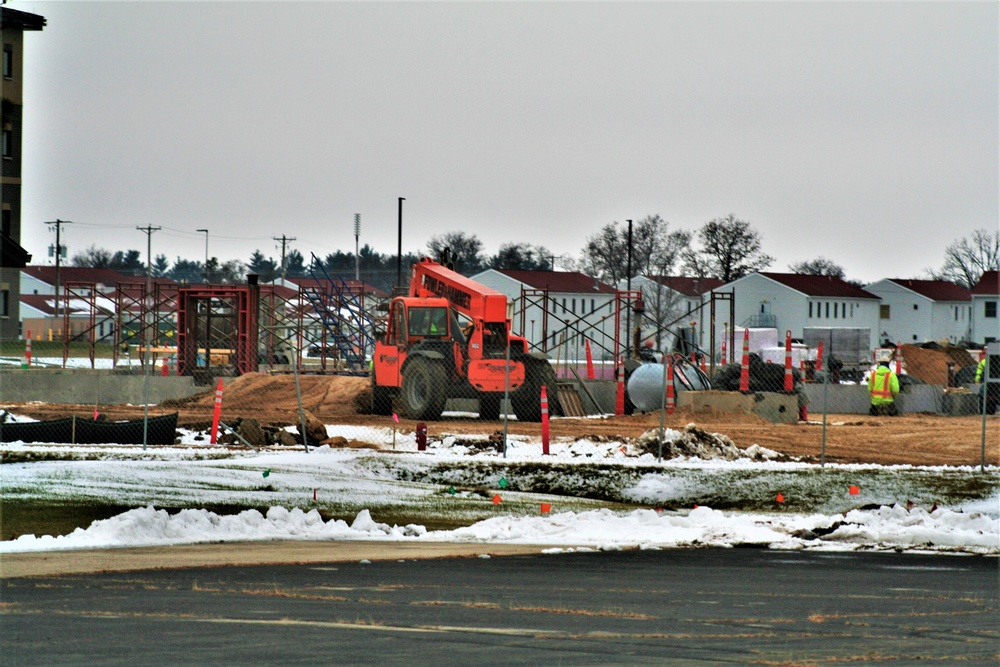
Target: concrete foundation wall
x,y
777,408
853,399
88,386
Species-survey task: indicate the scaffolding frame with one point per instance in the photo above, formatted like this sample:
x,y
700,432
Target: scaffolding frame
x,y
146,311
237,305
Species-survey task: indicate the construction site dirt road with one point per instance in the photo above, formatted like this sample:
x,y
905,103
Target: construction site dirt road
x,y
915,439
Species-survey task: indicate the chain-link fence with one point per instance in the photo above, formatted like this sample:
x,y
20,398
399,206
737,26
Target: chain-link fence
x,y
631,410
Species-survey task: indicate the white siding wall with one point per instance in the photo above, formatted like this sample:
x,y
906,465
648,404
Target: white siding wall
x,y
950,319
914,318
790,308
32,285
577,305
984,328
909,313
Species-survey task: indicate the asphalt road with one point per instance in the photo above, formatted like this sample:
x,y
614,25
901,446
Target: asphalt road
x,y
684,607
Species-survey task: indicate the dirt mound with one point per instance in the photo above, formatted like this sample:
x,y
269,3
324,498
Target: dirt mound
x,y
273,398
699,443
931,365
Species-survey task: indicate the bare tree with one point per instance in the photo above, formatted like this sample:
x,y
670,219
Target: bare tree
x,y
234,271
663,308
522,256
655,250
821,266
605,253
466,250
965,260
730,249
93,257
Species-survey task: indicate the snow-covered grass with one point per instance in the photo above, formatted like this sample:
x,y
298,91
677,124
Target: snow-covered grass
x,y
599,495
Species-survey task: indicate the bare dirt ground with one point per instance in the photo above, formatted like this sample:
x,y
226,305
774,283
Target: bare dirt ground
x,y
51,563
918,439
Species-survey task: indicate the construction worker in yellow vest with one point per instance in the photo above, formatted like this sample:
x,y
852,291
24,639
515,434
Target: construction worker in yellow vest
x,y
883,385
980,370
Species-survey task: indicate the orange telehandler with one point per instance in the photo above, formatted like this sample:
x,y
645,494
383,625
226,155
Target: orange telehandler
x,y
448,339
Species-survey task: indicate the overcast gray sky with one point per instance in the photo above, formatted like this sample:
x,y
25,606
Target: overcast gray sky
x,y
864,132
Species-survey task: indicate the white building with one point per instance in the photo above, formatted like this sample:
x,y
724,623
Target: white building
x,y
985,300
916,311
793,302
557,311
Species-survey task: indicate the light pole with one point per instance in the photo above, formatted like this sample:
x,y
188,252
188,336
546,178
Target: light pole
x,y
148,324
628,279
206,252
357,259
399,245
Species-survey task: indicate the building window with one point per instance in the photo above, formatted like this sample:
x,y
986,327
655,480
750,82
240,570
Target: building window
x,y
810,309
7,222
8,61
827,310
915,307
883,311
956,313
572,306
4,303
991,309
8,143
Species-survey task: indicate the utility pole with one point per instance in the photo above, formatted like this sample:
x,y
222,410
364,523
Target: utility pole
x,y
284,241
147,307
206,253
357,258
58,225
399,246
148,231
628,283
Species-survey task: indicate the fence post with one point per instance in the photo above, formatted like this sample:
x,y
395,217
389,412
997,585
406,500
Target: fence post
x,y
620,392
545,420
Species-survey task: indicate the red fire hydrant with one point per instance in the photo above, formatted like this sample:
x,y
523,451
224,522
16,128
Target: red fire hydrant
x,y
421,436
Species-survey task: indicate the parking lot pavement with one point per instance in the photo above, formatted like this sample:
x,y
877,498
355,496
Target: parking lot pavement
x,y
682,607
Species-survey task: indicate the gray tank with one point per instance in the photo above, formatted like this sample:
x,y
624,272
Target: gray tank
x,y
646,388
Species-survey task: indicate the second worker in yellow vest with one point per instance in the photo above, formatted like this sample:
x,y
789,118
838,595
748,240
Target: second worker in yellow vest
x,y
883,386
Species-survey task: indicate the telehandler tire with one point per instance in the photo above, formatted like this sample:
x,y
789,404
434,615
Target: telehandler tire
x,y
526,401
489,406
423,394
382,399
